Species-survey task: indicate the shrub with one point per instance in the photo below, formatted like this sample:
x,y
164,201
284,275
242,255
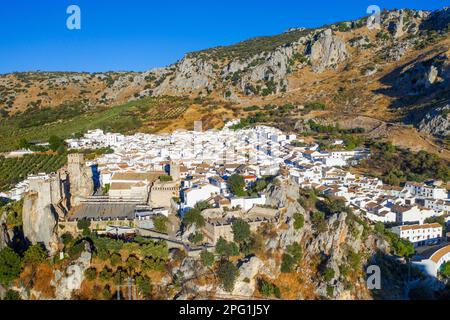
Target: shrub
x,y
91,274
106,293
268,289
328,274
299,221
10,266
35,255
241,231
295,250
207,258
83,224
194,216
226,249
287,263
12,295
227,274
133,263
76,250
196,238
106,275
116,259
145,286
445,270
160,222
165,178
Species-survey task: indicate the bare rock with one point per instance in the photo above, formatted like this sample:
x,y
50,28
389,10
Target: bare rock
x,y
327,52
436,122
67,282
39,222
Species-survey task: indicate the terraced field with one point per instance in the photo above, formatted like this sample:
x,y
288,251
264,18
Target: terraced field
x,y
14,170
126,118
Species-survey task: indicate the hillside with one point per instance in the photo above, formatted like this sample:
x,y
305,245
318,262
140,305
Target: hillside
x,y
393,81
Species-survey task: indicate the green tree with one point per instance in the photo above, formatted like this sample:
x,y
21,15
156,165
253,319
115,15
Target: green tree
x,y
55,142
445,270
328,274
194,216
10,266
132,263
66,238
236,183
287,263
83,224
241,231
226,249
12,295
35,255
196,238
160,222
295,250
106,293
227,275
145,286
268,289
207,258
299,221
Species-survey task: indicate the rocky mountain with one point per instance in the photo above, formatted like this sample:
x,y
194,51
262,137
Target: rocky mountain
x,y
396,73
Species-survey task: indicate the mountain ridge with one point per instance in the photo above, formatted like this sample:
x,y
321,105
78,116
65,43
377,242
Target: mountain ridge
x,y
347,66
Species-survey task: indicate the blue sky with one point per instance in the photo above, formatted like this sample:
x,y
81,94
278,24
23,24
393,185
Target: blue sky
x,y
141,34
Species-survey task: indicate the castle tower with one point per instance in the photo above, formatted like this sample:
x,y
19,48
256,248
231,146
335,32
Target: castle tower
x,y
75,161
80,177
175,171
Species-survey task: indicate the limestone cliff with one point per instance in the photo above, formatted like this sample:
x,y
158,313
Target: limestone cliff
x,y
4,236
327,51
39,222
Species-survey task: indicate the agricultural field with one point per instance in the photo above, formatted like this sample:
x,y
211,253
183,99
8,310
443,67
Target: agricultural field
x,y
14,170
127,119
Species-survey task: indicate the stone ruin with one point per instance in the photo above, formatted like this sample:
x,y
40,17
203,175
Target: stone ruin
x,y
51,197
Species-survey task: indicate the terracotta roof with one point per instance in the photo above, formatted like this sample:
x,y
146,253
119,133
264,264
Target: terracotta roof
x,y
137,176
440,253
421,226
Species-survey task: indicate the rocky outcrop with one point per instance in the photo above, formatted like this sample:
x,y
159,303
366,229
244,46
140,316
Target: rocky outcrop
x,y
191,75
436,122
4,235
246,282
327,51
67,282
48,201
39,222
425,76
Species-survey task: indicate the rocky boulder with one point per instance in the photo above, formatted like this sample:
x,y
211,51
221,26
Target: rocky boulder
x,y
436,121
327,51
66,283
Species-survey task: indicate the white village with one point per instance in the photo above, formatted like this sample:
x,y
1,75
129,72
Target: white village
x,y
148,175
